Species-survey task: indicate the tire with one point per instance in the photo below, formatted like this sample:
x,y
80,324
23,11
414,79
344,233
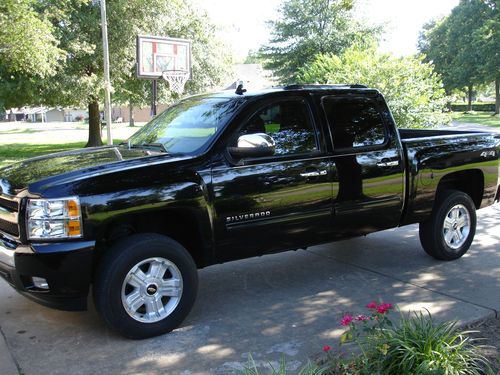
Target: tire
x,y
145,285
448,234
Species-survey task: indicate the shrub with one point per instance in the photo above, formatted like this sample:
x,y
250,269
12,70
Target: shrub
x,y
417,345
480,107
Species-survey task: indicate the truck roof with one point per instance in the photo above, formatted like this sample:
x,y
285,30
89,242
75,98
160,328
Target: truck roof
x,y
338,88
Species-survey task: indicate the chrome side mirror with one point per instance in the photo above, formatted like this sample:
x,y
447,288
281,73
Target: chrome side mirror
x,y
253,145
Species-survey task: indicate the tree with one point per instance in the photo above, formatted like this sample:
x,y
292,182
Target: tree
x,y
308,27
464,46
78,78
487,37
412,89
28,52
27,44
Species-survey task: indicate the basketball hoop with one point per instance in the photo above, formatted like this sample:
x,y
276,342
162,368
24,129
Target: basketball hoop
x,y
176,79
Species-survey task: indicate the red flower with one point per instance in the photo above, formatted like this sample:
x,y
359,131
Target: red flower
x,y
383,308
327,348
372,305
361,318
346,320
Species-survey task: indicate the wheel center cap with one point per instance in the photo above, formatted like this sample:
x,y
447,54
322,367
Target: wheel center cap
x,y
455,226
151,289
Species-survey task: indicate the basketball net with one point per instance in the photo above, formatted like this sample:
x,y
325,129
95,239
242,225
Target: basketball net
x,y
176,79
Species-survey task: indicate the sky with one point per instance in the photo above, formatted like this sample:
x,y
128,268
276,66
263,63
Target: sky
x,y
244,27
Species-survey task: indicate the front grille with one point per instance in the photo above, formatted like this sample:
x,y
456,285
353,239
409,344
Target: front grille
x,y
8,216
9,228
10,205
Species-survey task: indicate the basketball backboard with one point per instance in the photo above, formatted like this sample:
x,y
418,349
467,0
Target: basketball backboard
x,y
157,55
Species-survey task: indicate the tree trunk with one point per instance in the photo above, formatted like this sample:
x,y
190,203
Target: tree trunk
x,y
497,96
131,115
94,124
469,98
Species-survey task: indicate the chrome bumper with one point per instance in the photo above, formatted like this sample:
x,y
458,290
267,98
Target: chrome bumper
x,y
6,254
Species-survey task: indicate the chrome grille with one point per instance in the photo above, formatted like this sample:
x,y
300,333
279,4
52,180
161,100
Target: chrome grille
x,y
9,209
9,204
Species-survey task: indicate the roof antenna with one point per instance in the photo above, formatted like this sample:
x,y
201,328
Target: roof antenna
x,y
240,90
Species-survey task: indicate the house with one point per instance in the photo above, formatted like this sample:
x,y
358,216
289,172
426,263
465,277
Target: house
x,y
46,114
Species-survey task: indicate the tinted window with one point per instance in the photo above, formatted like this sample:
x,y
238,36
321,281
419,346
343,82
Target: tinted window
x,y
288,123
188,125
355,122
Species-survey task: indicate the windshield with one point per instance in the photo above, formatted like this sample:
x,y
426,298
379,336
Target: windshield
x,y
187,126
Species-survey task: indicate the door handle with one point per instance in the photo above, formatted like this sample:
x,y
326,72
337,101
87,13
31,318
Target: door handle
x,y
388,163
314,174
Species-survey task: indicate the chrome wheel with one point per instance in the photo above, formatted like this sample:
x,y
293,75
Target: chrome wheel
x,y
151,290
456,227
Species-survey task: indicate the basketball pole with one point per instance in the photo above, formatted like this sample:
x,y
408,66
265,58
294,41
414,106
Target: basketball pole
x,y
154,95
107,81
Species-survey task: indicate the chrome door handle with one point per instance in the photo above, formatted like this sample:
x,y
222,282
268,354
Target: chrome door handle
x,y
314,174
388,163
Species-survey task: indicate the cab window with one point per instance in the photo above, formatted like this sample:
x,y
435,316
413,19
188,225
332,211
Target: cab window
x,y
288,123
354,122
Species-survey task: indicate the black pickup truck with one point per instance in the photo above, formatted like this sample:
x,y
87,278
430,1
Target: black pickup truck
x,y
225,176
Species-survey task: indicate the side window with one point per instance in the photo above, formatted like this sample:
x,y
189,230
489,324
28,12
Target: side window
x,y
288,123
355,122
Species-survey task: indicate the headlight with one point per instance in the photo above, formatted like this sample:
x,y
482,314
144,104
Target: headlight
x,y
54,218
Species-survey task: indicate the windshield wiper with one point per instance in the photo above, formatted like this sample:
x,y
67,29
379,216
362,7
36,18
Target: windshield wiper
x,y
160,146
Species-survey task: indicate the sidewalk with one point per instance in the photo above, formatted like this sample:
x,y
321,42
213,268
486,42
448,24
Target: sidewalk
x,y
285,305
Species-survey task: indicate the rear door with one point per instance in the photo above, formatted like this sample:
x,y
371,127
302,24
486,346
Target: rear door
x,y
274,203
368,168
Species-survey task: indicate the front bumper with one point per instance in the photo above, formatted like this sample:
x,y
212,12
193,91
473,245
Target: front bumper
x,y
67,267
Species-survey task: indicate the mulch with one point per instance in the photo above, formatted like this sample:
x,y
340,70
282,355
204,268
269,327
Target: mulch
x,y
489,330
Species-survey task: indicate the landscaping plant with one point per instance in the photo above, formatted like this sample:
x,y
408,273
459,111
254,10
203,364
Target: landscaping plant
x,y
416,345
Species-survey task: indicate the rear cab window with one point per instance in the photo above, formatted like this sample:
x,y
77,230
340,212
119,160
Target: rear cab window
x,y
355,123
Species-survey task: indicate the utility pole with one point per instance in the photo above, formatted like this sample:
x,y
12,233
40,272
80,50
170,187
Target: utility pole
x,y
107,81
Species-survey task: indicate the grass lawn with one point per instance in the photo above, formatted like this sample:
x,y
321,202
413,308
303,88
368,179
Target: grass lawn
x,y
483,118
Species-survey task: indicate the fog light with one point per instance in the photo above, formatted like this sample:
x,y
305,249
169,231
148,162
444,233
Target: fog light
x,y
40,282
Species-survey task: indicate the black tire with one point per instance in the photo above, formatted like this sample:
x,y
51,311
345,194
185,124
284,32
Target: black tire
x,y
431,232
114,267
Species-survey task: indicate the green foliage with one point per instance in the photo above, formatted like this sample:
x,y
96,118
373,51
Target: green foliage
x,y
482,107
76,79
308,27
309,369
27,44
418,345
465,46
412,89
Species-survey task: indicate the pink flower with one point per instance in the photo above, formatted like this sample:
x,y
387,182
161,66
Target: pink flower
x,y
327,348
346,320
361,318
372,305
383,308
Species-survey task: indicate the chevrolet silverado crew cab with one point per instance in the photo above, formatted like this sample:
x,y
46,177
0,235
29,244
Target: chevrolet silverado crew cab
x,y
231,175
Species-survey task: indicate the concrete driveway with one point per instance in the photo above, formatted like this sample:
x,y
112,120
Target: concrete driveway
x,y
287,305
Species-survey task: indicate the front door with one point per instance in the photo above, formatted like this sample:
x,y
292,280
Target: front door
x,y
274,203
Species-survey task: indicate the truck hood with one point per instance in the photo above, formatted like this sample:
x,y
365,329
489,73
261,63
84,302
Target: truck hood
x,y
19,176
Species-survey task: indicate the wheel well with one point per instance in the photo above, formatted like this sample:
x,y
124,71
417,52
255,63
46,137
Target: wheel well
x,y
471,182
180,225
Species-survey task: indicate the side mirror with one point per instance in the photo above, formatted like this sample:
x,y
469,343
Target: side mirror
x,y
253,145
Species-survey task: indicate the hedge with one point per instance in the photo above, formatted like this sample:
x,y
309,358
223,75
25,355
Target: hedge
x,y
480,107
